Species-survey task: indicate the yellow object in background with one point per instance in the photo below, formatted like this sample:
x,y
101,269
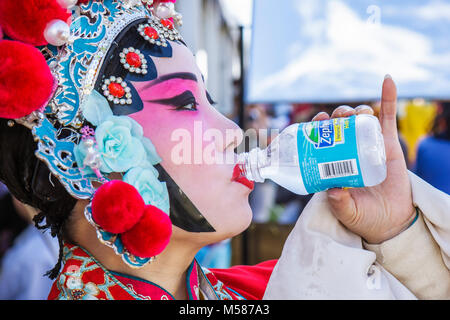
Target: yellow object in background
x,y
415,122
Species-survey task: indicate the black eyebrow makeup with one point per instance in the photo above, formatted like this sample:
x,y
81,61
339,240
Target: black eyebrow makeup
x,y
179,101
167,77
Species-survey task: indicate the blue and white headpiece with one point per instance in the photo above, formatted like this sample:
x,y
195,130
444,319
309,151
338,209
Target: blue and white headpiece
x,y
84,134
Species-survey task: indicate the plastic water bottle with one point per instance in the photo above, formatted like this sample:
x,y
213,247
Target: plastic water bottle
x,y
315,156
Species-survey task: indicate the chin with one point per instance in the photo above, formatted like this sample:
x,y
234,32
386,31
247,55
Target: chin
x,y
240,218
227,223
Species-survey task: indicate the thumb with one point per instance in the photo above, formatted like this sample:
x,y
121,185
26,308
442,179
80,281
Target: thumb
x,y
342,206
388,119
388,112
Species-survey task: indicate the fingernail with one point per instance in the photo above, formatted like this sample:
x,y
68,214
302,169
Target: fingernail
x,y
363,108
320,114
348,108
388,76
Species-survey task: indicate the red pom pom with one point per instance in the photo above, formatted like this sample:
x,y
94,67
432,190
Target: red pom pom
x,y
150,236
82,1
25,20
117,206
26,82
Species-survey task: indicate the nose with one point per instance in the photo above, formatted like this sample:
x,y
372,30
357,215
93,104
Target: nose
x,y
231,135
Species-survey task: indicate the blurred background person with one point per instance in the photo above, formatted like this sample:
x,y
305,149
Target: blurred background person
x,y
31,255
11,224
262,198
433,152
291,205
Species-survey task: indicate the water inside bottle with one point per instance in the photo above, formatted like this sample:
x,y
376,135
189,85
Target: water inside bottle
x,y
354,155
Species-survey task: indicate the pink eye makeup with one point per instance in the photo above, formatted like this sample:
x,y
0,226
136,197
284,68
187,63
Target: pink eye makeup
x,y
177,90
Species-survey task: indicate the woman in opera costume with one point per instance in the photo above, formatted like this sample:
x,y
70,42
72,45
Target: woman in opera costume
x,y
95,97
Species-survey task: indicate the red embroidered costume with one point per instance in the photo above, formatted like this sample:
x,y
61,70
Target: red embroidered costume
x,y
84,278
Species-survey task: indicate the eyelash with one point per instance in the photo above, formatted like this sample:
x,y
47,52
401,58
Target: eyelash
x,y
193,103
190,104
193,107
210,100
183,102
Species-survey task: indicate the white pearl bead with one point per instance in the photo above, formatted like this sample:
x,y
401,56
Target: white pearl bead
x,y
92,158
178,19
89,143
57,33
165,10
130,3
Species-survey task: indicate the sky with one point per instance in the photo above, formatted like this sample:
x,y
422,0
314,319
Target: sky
x,y
340,50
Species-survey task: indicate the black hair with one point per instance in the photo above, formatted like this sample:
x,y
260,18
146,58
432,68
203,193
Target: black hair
x,y
12,224
29,180
443,117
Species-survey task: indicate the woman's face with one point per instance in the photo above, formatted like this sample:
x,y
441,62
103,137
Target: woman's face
x,y
195,141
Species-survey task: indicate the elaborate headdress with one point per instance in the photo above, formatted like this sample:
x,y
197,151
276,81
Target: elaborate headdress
x,y
76,105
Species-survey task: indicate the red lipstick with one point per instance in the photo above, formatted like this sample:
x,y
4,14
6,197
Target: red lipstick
x,y
239,177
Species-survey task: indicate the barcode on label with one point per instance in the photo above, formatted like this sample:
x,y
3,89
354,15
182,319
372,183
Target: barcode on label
x,y
338,169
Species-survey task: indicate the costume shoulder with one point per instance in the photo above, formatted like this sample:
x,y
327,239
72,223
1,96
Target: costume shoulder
x,y
82,278
248,281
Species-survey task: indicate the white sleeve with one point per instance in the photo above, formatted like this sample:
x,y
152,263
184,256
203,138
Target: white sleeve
x,y
415,259
322,259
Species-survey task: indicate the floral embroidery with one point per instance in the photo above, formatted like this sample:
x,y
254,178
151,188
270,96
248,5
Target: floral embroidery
x,y
81,291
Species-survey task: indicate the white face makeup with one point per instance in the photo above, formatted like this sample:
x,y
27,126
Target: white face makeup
x,y
178,102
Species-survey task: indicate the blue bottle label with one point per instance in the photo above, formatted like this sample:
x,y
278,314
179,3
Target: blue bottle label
x,y
328,154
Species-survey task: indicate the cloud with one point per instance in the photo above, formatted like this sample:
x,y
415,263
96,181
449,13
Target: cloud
x,y
431,11
340,49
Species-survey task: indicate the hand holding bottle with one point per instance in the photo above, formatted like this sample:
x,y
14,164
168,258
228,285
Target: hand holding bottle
x,y
381,212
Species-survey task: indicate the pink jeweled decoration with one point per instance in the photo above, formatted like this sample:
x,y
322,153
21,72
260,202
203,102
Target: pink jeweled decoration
x,y
133,60
152,34
167,23
117,91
